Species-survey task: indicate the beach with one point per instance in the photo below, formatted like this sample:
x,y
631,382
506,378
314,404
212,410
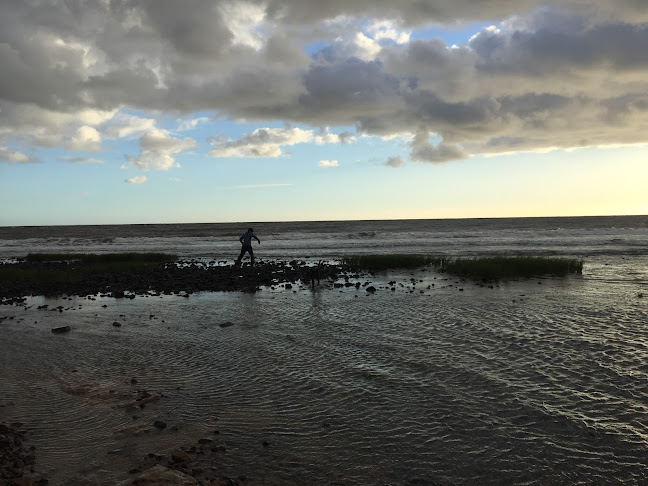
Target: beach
x,y
429,379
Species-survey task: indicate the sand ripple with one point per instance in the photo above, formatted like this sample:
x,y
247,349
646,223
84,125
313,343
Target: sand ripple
x,y
520,384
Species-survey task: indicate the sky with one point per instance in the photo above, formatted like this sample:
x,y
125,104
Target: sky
x,y
168,111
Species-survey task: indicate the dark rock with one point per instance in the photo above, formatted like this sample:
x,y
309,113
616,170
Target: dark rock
x,y
371,289
178,455
160,424
226,324
117,324
61,329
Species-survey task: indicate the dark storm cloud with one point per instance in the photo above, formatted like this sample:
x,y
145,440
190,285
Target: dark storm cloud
x,y
550,74
335,87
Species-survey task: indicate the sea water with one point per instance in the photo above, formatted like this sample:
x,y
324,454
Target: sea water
x,y
439,381
585,236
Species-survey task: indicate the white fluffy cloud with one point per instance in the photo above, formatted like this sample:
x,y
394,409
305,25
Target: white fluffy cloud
x,y
123,125
7,155
328,163
136,180
157,148
185,125
85,139
266,142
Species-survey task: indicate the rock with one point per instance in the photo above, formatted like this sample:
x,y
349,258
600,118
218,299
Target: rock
x,y
224,481
61,329
205,441
226,324
22,482
160,424
117,324
163,476
179,455
371,289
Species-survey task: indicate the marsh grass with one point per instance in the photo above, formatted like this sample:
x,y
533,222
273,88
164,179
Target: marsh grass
x,y
72,268
501,267
486,268
386,262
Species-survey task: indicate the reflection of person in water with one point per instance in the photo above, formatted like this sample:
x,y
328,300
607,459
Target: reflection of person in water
x,y
246,241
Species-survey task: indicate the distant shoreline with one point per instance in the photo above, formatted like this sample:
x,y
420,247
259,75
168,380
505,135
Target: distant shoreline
x,y
243,224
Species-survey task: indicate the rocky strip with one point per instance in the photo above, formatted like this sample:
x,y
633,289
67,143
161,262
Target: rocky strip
x,y
197,464
181,277
16,459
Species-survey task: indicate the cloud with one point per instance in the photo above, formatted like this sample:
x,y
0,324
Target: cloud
x,y
262,142
157,148
424,151
136,180
124,125
386,29
8,155
80,160
328,163
394,162
85,139
185,125
545,74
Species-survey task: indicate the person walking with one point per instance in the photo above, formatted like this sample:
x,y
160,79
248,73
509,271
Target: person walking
x,y
246,241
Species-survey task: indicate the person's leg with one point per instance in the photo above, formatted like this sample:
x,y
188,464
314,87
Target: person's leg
x,y
240,257
251,255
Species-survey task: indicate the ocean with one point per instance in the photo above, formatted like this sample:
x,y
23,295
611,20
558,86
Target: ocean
x,y
581,237
440,381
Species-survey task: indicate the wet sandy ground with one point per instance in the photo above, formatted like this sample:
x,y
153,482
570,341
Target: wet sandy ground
x,y
437,381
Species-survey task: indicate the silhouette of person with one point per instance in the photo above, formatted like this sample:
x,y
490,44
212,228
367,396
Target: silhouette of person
x,y
246,241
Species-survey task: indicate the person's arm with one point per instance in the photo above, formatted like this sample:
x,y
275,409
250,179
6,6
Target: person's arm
x,y
241,239
256,238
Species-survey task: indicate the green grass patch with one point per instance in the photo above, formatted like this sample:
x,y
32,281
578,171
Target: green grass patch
x,y
498,268
386,262
486,268
73,268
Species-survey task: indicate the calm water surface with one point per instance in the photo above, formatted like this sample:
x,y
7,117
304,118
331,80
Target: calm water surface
x,y
525,383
